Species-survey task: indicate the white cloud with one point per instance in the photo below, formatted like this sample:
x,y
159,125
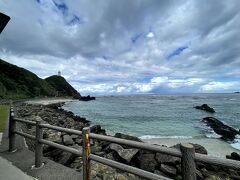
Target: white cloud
x,y
99,55
221,86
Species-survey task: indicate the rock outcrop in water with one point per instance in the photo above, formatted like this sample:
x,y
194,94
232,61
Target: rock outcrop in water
x,y
157,163
234,156
228,133
87,98
205,107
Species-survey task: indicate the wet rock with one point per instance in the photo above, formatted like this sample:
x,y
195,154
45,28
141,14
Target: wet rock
x,y
205,107
169,170
126,154
67,140
227,132
234,156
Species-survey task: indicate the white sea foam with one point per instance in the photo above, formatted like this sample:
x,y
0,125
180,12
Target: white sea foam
x,y
236,143
164,137
213,135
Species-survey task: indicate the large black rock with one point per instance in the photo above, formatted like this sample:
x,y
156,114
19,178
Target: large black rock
x,y
87,98
234,156
227,132
205,107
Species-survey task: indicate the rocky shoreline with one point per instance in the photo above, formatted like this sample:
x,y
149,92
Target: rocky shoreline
x,y
154,162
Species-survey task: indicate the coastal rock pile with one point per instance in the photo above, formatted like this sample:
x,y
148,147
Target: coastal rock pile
x,y
158,163
205,107
227,132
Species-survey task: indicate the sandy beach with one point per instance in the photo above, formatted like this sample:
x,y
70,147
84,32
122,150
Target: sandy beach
x,y
215,147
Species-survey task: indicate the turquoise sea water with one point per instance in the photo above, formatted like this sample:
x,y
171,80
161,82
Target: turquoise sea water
x,y
159,116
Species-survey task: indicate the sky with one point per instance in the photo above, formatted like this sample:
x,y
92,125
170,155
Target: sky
x,y
106,47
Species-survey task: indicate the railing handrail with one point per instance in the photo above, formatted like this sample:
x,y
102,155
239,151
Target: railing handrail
x,y
146,146
140,145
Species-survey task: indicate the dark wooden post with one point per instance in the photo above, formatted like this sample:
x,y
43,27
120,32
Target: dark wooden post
x,y
188,162
38,145
11,134
86,153
9,123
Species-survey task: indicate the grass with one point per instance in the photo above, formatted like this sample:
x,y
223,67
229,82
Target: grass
x,y
4,111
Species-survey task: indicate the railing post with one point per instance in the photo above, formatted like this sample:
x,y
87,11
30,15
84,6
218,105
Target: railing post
x,y
11,134
86,153
38,145
188,162
9,123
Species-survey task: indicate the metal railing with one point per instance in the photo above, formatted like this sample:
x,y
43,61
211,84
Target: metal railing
x,y
186,153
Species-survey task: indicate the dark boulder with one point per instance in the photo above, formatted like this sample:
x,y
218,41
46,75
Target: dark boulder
x,y
66,158
169,170
205,107
126,154
167,159
147,161
227,132
80,119
198,148
97,129
67,140
234,156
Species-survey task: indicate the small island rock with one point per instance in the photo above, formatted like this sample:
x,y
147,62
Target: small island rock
x,y
205,107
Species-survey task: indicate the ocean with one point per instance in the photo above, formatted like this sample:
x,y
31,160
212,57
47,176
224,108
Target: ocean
x,y
163,118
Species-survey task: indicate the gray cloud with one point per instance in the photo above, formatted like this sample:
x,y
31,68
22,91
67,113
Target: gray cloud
x,y
97,51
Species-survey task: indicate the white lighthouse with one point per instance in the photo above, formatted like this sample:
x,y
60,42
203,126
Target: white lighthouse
x,y
59,73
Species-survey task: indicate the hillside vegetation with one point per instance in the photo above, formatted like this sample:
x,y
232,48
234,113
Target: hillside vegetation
x,y
17,83
62,86
4,110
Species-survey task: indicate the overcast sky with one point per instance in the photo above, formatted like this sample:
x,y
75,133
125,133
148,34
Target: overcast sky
x,y
127,47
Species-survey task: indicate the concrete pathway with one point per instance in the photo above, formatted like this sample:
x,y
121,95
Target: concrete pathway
x,y
24,160
10,172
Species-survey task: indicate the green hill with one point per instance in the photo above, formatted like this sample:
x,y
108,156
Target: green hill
x,y
62,86
17,83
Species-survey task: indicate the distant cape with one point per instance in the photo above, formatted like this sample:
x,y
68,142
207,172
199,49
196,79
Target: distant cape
x,y
17,83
